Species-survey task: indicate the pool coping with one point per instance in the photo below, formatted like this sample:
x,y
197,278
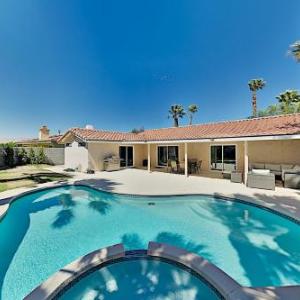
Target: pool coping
x,y
250,293
223,285
51,287
281,212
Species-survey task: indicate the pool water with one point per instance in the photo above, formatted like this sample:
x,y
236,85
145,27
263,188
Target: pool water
x,y
44,231
140,279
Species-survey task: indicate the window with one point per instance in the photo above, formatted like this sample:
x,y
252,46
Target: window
x,y
166,153
68,145
223,157
81,144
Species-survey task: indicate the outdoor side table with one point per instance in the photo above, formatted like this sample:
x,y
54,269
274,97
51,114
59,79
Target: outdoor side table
x,y
236,177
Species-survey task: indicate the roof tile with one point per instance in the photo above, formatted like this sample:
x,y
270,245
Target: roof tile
x,y
265,126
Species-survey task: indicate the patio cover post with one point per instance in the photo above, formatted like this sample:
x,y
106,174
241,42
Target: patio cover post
x,y
246,161
149,158
185,159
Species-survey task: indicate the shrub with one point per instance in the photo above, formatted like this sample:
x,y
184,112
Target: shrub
x,y
9,155
22,157
41,157
32,156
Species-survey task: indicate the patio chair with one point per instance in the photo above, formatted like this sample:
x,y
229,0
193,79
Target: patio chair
x,y
174,167
198,166
169,167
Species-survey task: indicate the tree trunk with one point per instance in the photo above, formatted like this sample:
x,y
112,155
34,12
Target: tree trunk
x,y
175,122
191,119
254,105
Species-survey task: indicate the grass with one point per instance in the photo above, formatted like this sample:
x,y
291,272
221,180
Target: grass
x,y
16,184
28,176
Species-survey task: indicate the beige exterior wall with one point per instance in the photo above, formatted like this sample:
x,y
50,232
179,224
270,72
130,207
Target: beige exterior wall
x,y
99,151
285,151
201,151
154,157
140,153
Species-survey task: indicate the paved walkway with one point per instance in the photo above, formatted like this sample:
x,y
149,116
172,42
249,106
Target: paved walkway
x,y
134,181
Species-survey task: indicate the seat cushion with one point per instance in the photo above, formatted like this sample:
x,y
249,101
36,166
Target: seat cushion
x,y
286,166
260,171
273,167
257,166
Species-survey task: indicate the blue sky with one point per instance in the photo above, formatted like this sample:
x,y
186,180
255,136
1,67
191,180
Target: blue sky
x,y
121,64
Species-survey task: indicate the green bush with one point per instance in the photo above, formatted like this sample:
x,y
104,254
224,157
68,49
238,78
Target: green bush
x,y
32,156
22,157
41,157
9,155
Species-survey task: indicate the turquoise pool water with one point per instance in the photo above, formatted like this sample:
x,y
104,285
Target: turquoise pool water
x,y
140,279
44,231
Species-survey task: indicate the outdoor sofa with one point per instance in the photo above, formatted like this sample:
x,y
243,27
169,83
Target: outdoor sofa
x,y
261,180
288,173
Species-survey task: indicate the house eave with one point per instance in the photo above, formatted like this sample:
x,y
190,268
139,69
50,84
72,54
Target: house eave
x,y
204,140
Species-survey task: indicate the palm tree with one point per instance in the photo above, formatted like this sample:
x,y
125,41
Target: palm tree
x,y
295,50
176,111
254,86
290,101
193,108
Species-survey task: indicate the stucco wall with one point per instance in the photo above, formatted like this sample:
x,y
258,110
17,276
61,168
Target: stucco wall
x,y
262,151
99,151
76,157
201,151
154,157
140,153
287,152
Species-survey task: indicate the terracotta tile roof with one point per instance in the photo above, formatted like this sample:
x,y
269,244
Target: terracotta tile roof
x,y
101,135
265,126
52,138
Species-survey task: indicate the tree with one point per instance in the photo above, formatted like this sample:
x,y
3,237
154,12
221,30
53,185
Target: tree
x,y
138,130
254,86
192,109
176,111
295,50
271,110
289,101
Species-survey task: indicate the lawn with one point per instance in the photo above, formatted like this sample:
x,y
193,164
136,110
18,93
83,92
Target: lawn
x,y
28,176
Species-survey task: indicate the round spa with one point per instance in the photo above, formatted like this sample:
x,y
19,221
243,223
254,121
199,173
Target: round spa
x,y
140,278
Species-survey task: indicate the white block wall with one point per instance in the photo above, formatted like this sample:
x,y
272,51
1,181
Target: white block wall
x,y
76,157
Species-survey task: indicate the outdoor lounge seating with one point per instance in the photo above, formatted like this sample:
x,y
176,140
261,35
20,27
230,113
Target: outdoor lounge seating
x,y
261,181
292,179
288,173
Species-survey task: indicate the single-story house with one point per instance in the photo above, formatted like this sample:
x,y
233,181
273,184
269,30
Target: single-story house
x,y
44,139
221,147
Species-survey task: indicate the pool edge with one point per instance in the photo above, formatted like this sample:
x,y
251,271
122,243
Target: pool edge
x,y
222,284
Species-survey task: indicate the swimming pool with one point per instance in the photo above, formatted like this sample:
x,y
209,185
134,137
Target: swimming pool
x,y
140,278
44,231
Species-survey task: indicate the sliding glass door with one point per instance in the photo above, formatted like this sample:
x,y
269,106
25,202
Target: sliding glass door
x,y
223,157
165,153
126,156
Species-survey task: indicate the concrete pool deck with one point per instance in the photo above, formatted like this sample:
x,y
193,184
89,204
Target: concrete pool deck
x,y
141,182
